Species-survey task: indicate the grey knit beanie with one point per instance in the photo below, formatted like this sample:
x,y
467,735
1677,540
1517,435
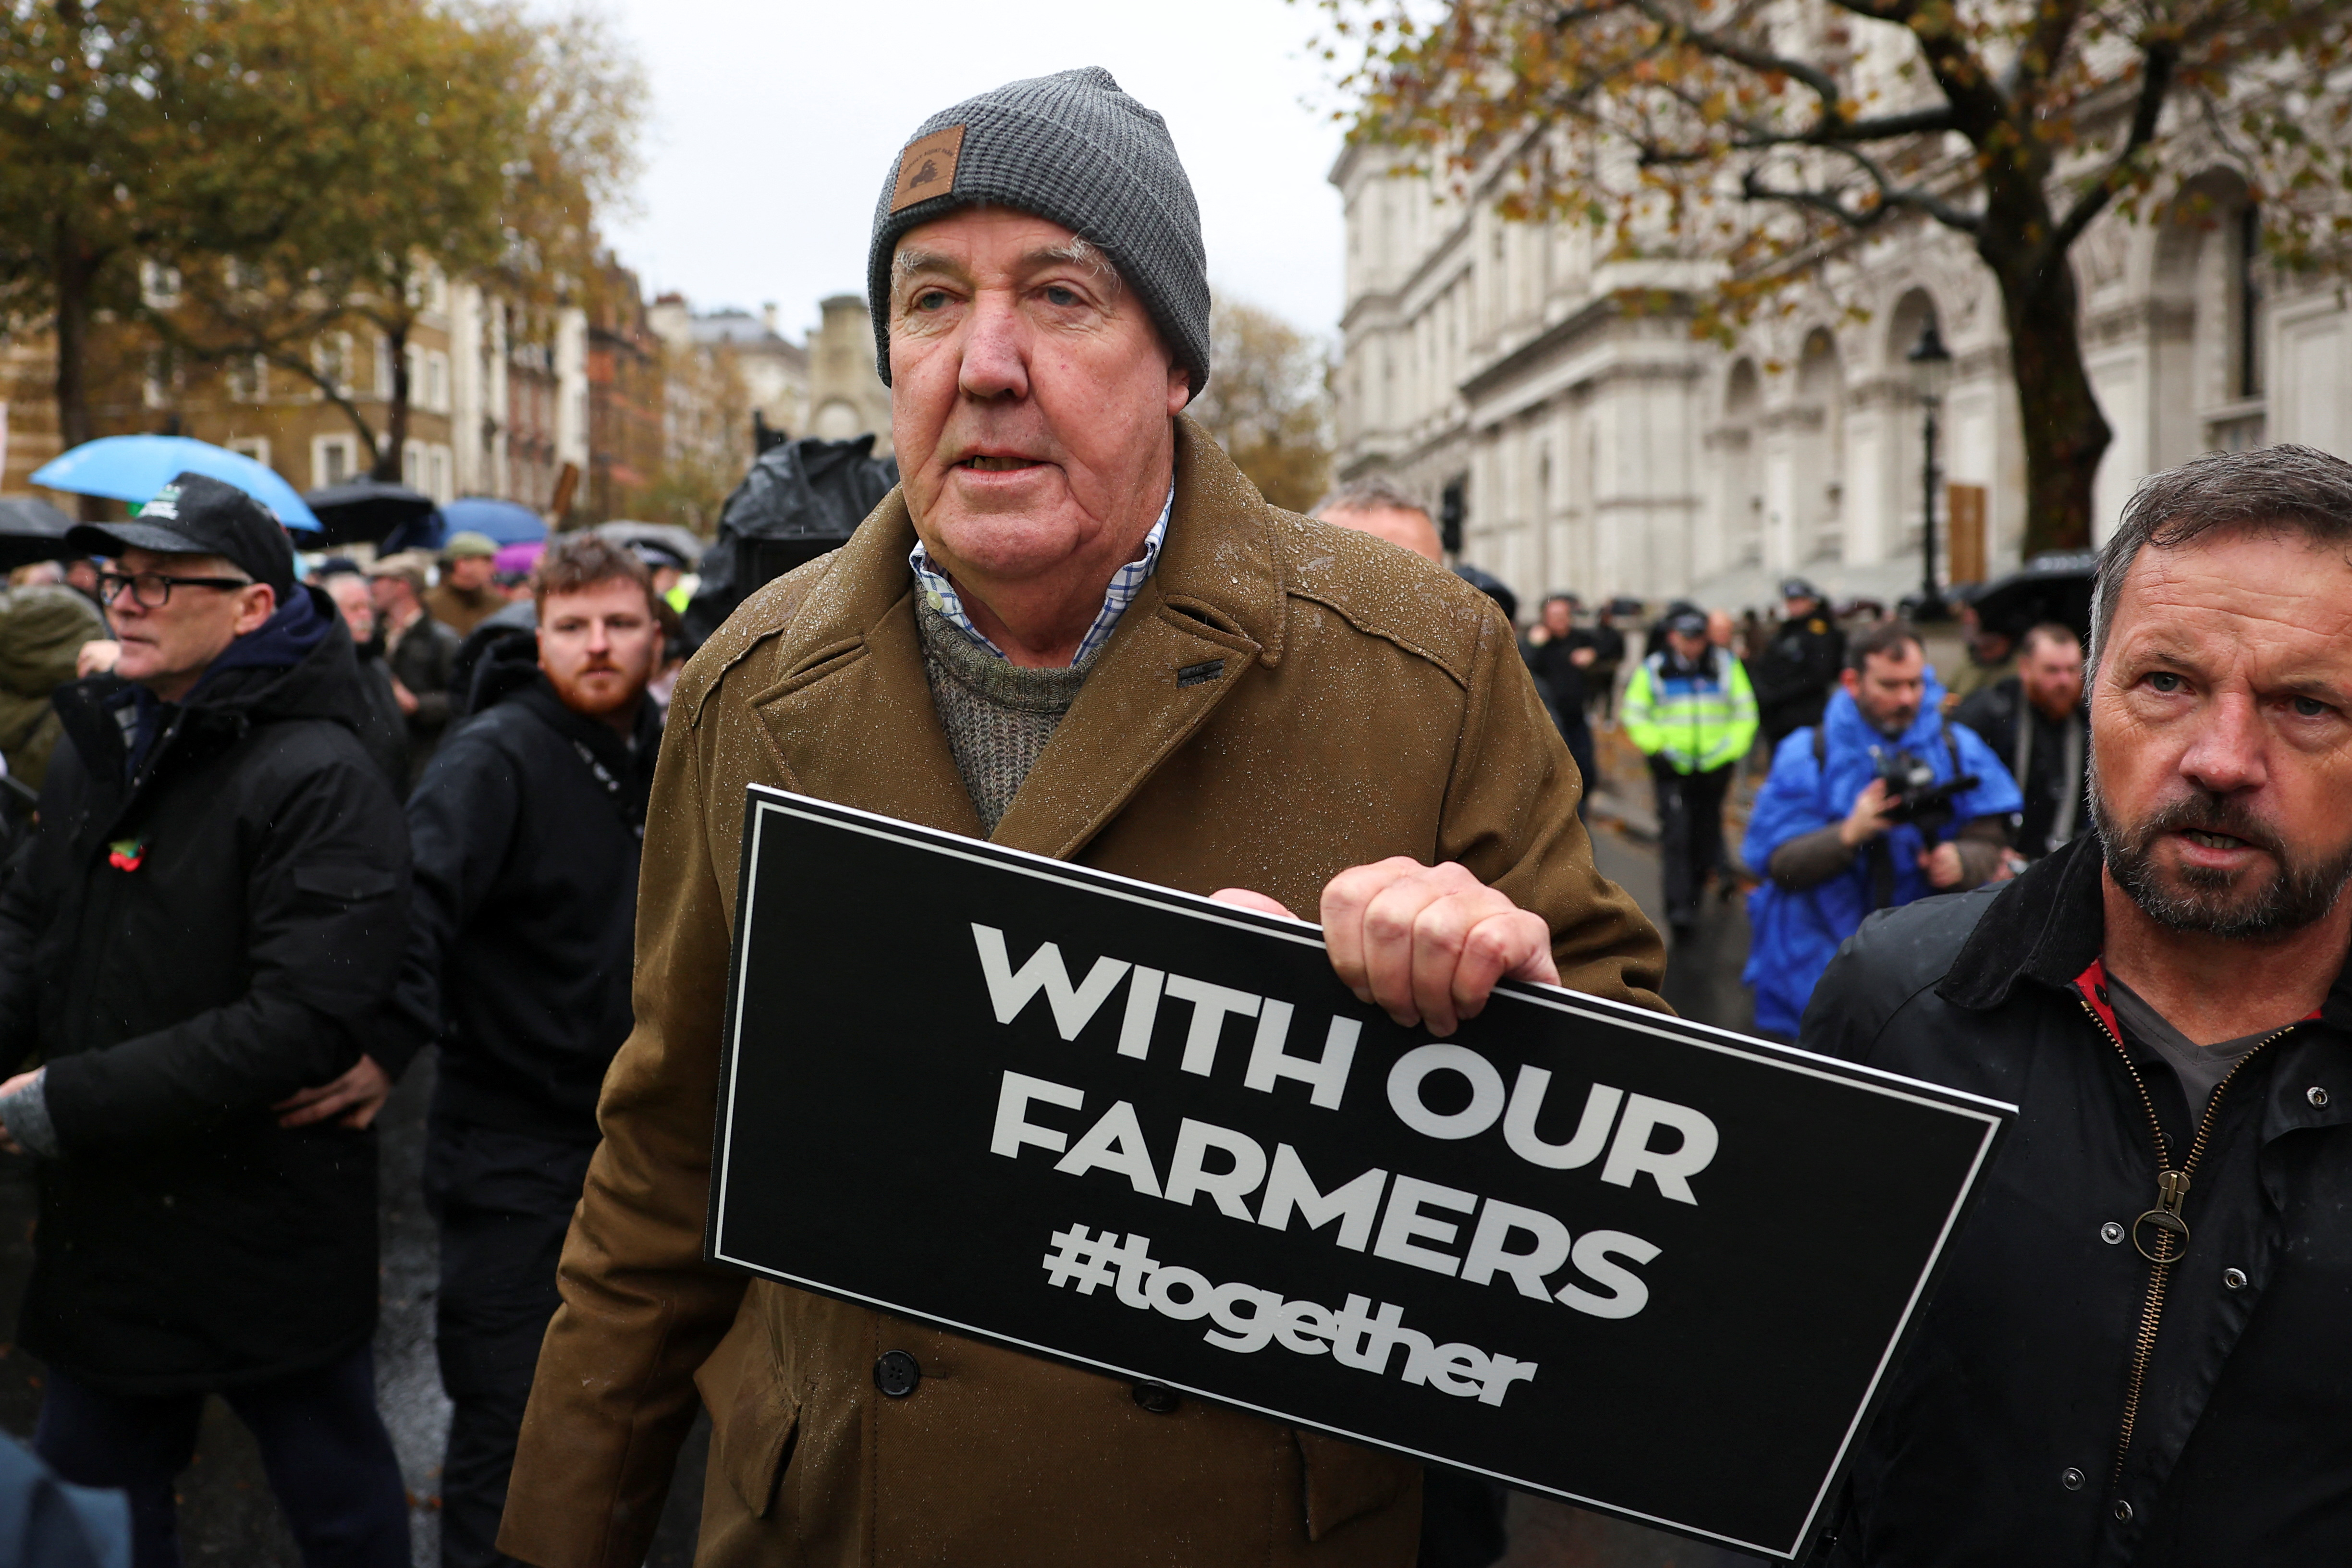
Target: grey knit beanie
x,y
1073,148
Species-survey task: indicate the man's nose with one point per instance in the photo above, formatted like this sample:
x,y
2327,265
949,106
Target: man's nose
x,y
2226,753
995,352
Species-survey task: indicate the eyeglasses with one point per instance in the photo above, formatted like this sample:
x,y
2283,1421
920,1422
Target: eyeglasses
x,y
152,590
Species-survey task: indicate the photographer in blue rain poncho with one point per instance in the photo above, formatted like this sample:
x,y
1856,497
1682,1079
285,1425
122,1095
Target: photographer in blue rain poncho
x,y
1882,803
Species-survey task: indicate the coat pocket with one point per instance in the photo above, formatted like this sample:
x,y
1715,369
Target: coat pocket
x,y
1347,1480
752,1430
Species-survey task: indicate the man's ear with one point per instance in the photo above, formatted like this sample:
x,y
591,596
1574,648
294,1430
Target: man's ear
x,y
258,603
1850,682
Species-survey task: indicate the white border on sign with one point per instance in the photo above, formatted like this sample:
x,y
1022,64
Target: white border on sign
x,y
1788,1059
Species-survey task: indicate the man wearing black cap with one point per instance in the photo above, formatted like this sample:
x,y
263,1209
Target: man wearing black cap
x,y
207,919
1800,666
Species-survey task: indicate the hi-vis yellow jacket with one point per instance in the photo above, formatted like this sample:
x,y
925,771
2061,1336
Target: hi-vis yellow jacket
x,y
1694,720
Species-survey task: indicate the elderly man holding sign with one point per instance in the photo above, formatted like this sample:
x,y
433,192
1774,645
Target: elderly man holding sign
x,y
1075,629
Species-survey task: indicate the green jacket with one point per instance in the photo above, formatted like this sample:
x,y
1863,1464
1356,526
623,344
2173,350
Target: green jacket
x,y
41,629
1696,722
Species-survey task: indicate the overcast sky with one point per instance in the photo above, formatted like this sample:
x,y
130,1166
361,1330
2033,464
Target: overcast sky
x,y
772,125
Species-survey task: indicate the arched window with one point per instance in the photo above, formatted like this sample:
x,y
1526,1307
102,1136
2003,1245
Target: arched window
x,y
2209,320
1820,467
1740,504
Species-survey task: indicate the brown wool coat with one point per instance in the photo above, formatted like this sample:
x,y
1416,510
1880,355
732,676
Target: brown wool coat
x,y
1371,705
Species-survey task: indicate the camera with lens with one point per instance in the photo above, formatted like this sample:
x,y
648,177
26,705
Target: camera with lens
x,y
1913,796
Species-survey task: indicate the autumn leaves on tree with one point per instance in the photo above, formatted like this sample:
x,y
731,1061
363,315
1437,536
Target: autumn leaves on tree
x,y
292,167
1751,144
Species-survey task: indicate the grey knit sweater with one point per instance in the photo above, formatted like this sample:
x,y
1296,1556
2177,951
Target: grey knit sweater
x,y
998,715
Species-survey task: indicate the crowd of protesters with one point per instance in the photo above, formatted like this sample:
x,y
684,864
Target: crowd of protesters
x,y
223,943
223,938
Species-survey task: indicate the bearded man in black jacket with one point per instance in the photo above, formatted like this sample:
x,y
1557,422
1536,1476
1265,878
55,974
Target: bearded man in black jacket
x,y
527,826
2139,1352
208,916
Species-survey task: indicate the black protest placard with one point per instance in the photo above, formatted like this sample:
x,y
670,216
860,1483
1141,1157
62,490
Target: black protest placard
x,y
1638,1264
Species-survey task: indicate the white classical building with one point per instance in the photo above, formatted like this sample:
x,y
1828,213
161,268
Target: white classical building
x,y
1486,366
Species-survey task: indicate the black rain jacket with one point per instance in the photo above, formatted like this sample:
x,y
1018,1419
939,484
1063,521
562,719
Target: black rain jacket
x,y
1794,675
527,825
185,945
2068,1401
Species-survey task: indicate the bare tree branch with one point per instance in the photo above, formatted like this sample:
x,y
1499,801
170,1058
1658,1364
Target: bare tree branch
x,y
282,347
1763,61
2158,66
1892,198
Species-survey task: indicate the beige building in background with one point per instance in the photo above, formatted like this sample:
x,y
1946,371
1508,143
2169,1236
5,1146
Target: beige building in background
x,y
826,388
492,410
773,368
846,397
501,401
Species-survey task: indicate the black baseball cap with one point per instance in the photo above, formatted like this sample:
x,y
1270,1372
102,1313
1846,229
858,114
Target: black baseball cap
x,y
1689,623
1494,587
1797,588
198,515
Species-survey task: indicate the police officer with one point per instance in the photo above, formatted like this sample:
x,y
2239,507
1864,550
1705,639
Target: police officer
x,y
1691,710
1794,675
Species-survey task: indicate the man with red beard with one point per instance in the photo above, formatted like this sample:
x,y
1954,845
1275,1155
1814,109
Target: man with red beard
x,y
527,826
2138,1356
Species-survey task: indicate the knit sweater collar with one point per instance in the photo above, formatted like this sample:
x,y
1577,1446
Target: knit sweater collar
x,y
992,675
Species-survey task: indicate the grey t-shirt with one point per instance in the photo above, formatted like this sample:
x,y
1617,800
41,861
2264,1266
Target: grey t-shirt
x,y
2198,1068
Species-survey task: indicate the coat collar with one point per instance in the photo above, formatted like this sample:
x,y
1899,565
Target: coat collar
x,y
2050,926
871,737
1850,731
2047,925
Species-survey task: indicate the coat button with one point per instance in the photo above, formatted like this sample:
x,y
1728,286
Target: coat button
x,y
2316,1095
2111,1232
2071,1478
1158,1398
2235,1279
896,1372
2123,1512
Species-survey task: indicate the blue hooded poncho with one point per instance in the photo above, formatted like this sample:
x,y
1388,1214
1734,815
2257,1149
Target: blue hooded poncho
x,y
1795,934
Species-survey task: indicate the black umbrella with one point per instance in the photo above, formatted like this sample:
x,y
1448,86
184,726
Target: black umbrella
x,y
2053,587
366,508
31,531
682,542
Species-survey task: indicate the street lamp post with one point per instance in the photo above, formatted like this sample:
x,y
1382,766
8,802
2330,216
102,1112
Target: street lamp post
x,y
1931,373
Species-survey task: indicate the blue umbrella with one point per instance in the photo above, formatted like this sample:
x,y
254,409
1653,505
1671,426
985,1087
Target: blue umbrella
x,y
133,467
502,522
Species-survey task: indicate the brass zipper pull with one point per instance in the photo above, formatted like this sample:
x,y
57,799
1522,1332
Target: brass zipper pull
x,y
2171,1191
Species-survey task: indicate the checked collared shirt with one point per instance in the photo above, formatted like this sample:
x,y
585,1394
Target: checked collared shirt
x,y
1125,583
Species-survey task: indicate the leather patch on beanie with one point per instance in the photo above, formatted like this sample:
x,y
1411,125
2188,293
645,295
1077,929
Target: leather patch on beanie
x,y
927,168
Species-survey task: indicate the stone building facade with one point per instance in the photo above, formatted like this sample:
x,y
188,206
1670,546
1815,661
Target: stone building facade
x,y
846,397
494,408
504,400
627,396
1487,365
773,369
